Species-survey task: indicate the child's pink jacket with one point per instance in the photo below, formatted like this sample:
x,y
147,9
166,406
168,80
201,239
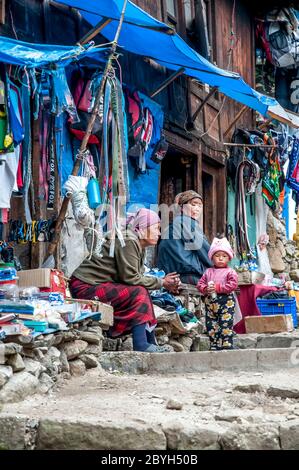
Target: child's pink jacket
x,y
225,279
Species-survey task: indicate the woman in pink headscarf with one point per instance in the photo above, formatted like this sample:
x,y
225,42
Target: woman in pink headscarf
x,y
120,281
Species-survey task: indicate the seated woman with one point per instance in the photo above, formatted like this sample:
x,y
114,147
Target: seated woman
x,y
119,280
183,247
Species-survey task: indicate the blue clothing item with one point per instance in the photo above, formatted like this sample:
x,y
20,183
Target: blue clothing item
x,y
184,248
158,116
15,117
162,298
140,342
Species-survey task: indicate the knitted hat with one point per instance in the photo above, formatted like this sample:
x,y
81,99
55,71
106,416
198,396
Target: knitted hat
x,y
221,244
187,196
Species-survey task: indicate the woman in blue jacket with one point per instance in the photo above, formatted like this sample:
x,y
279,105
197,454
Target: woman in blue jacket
x,y
183,247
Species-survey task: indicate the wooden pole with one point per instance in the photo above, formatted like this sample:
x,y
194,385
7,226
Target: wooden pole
x,y
167,82
237,117
76,168
94,31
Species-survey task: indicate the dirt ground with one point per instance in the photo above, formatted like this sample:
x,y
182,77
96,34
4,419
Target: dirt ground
x,y
205,398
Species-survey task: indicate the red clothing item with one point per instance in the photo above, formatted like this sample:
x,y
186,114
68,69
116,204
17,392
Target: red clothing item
x,y
225,279
247,302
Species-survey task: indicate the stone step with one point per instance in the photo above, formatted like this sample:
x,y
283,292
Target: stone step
x,y
185,362
21,432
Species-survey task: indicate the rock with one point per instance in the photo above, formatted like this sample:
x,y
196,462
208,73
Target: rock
x,y
16,362
174,405
186,342
289,435
11,349
49,340
30,353
77,368
5,374
102,435
294,275
89,361
12,433
38,354
54,353
52,363
94,349
65,367
246,341
71,335
110,344
201,343
192,437
250,437
18,387
127,344
34,367
249,388
276,262
58,338
75,348
162,339
95,329
45,383
178,347
283,392
90,338
65,376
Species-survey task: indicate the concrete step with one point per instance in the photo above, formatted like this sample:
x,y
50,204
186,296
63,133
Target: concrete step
x,y
185,362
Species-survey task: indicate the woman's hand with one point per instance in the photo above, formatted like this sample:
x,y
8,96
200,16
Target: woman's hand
x,y
171,282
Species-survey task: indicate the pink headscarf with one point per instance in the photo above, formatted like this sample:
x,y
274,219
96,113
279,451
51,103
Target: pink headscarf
x,y
142,219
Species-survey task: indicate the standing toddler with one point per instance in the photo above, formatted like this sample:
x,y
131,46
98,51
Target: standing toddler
x,y
217,285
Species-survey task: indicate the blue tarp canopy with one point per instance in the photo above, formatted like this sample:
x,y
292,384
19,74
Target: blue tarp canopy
x,y
40,55
144,35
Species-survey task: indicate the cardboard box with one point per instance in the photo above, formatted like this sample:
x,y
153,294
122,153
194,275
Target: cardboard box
x,y
269,324
250,277
44,278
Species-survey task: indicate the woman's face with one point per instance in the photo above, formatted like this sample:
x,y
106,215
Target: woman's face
x,y
150,236
193,208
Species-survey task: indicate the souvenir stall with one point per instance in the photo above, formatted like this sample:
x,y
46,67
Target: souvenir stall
x,y
263,182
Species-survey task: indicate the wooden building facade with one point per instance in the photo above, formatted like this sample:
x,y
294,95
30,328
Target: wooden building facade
x,y
196,157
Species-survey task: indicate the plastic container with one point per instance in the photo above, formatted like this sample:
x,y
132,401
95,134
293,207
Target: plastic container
x,y
93,193
39,326
279,307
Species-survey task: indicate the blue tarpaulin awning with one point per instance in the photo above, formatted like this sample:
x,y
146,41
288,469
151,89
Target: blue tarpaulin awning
x,y
144,35
39,55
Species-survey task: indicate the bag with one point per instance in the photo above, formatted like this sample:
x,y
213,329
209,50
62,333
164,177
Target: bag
x,y
160,150
84,95
282,33
140,129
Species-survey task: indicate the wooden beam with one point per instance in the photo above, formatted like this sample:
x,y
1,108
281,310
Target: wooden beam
x,y
234,121
167,82
94,31
211,93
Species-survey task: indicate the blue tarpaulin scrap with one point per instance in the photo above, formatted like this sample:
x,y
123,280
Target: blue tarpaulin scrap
x,y
39,55
143,35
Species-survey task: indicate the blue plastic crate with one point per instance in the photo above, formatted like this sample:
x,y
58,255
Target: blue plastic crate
x,y
279,307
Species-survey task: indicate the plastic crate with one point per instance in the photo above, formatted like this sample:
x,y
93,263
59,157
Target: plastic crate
x,y
278,307
39,326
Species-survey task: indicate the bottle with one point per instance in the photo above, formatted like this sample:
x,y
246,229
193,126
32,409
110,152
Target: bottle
x,y
93,193
214,295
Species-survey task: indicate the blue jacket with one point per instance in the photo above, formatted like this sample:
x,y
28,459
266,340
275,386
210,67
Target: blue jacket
x,y
183,248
